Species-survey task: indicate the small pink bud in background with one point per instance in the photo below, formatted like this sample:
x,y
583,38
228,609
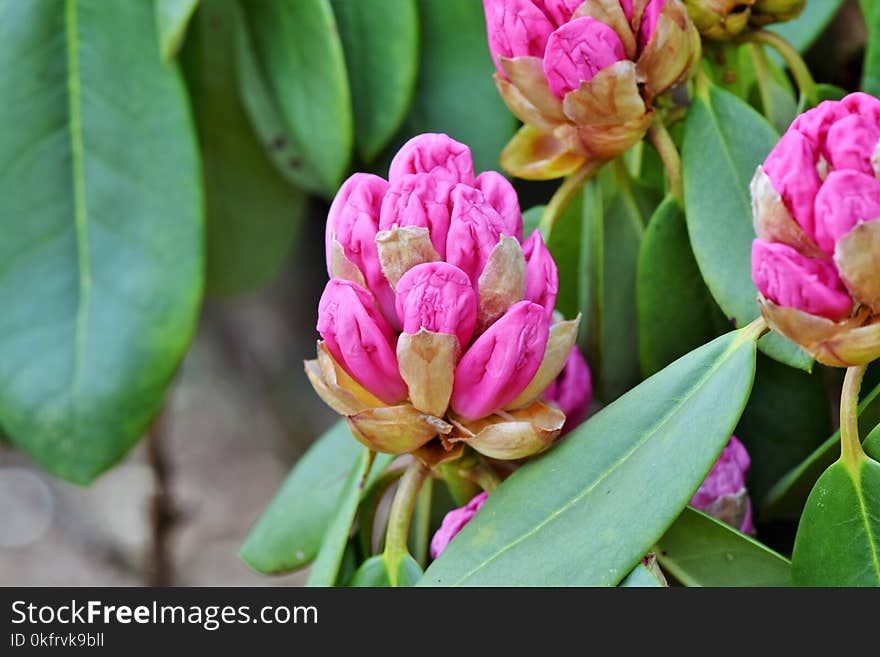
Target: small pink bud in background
x,y
791,167
454,522
790,279
572,390
577,51
501,362
438,297
542,275
649,21
474,230
360,339
723,493
500,194
846,198
516,28
419,199
437,154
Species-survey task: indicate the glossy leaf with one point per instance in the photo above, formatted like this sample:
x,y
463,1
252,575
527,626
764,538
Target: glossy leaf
x,y
101,211
787,497
374,572
838,539
569,248
641,577
777,99
787,417
676,313
594,505
803,31
725,140
455,92
253,214
297,45
698,550
172,17
380,39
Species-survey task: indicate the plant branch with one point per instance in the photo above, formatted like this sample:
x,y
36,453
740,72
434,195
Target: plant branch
x,y
399,517
565,193
850,444
659,136
802,76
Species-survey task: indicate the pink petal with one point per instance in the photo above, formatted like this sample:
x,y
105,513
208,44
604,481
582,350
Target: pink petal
x,y
501,362
791,167
846,198
360,339
649,21
851,142
436,154
419,199
577,51
815,123
727,476
474,230
454,522
542,275
438,297
560,11
790,279
516,28
501,195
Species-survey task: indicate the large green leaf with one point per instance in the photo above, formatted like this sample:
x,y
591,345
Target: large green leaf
x,y
871,65
787,417
699,550
288,533
803,31
253,213
100,205
381,42
455,92
787,497
838,539
172,17
586,512
725,140
299,51
676,313
641,577
375,572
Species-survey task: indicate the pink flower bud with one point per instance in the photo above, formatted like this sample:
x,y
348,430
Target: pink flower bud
x,y
474,230
577,51
723,493
560,11
501,362
437,154
791,279
649,21
572,390
791,167
501,195
516,28
846,198
454,522
851,143
542,275
353,221
438,297
360,339
419,199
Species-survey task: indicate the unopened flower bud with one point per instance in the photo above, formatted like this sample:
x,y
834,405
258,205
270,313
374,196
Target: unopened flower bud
x,y
438,297
420,200
436,154
776,11
723,493
542,275
453,522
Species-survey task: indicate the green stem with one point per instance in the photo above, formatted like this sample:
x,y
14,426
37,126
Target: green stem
x,y
399,517
851,452
793,60
484,476
659,136
562,197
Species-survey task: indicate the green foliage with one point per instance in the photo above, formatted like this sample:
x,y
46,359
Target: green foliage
x,y
172,17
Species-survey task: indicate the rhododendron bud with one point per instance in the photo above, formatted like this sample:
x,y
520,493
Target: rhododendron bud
x,y
453,522
360,339
437,323
776,11
720,19
572,390
583,76
723,493
816,205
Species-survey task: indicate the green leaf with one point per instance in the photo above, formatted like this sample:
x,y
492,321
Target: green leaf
x,y
172,17
381,43
641,577
838,539
669,286
871,65
724,142
777,99
787,417
288,533
374,572
803,31
699,550
569,249
297,45
101,212
787,497
455,92
253,215
531,219
586,512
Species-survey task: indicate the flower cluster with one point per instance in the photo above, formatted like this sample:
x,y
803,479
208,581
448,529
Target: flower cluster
x,y
724,19
582,76
816,201
437,321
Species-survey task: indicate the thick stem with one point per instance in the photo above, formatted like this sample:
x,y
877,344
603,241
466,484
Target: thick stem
x,y
562,197
399,517
659,136
484,476
793,60
850,444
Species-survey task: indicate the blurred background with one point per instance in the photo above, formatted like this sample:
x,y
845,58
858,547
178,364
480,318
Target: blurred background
x,y
240,410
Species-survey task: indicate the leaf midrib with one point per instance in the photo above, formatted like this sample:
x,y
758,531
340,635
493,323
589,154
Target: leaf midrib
x,y
80,207
872,544
734,346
